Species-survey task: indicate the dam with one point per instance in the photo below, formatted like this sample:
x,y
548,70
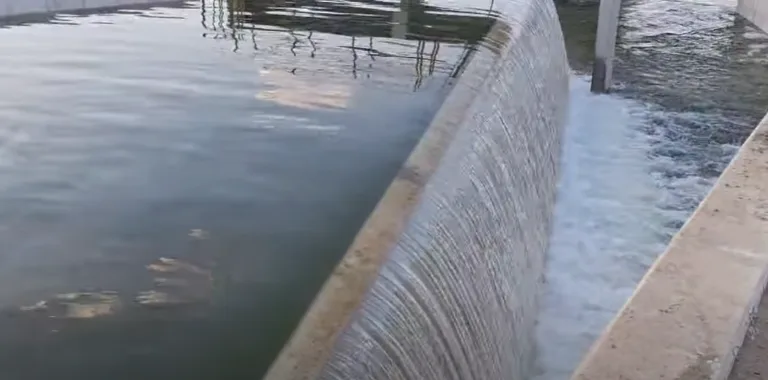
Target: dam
x,y
350,190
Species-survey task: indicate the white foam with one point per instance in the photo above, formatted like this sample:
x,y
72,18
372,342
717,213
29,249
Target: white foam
x,y
619,202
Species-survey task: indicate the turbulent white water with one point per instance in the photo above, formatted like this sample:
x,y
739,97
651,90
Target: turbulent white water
x,y
605,232
619,203
637,162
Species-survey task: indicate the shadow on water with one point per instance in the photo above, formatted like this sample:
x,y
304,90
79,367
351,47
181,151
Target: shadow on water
x,y
579,23
170,206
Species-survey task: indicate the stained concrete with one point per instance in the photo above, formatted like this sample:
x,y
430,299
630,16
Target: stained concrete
x,y
690,313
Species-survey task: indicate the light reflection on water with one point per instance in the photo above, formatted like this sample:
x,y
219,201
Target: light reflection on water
x,y
176,182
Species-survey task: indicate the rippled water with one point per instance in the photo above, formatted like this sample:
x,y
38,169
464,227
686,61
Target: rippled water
x,y
693,83
176,182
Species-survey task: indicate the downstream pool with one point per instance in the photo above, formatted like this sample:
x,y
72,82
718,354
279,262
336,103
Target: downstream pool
x,y
692,83
177,182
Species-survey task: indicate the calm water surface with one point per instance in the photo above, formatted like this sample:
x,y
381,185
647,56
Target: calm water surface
x,y
176,182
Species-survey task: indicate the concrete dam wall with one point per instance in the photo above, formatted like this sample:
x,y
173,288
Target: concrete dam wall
x,y
442,281
755,11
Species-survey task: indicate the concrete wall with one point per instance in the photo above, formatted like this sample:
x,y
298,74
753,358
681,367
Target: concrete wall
x,y
755,11
442,281
689,315
16,8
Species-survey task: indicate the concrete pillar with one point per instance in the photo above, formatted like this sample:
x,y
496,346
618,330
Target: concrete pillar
x,y
747,8
400,20
605,44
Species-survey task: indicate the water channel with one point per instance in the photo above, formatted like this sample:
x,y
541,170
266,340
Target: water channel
x,y
692,84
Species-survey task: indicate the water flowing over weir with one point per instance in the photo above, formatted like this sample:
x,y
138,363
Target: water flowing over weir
x,y
442,281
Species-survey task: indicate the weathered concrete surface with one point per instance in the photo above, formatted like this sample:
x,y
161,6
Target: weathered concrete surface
x,y
751,363
690,313
15,8
755,11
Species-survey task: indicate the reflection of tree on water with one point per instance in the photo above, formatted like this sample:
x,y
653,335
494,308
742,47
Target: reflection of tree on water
x,y
373,28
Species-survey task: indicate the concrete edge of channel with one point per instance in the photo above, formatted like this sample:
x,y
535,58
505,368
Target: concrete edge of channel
x,y
689,315
41,10
312,342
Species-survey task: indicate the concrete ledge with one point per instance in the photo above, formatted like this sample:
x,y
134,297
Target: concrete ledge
x,y
755,11
10,9
688,316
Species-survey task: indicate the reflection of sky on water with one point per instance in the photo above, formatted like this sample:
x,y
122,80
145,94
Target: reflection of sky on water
x,y
287,89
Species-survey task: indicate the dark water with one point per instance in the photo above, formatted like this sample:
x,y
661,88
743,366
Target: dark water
x,y
176,182
692,83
